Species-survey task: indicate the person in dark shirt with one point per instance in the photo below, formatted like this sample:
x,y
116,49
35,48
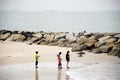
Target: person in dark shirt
x,y
68,58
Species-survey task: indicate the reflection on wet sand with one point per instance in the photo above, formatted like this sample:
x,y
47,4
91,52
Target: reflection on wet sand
x,y
59,77
36,74
67,76
59,74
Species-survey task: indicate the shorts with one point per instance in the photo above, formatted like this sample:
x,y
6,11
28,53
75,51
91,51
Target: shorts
x,y
59,64
67,59
36,62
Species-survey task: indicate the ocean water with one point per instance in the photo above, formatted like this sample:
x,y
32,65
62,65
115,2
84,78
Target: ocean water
x,y
58,21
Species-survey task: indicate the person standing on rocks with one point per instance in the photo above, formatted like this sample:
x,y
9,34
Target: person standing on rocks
x,y
36,59
59,60
68,58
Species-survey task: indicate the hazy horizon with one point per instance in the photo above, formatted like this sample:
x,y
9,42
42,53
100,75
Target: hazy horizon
x,y
60,5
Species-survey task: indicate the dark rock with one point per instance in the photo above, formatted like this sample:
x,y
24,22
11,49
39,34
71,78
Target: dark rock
x,y
27,34
15,32
88,34
5,36
5,31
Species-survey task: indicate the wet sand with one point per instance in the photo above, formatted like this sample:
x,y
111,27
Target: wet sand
x,y
28,72
17,63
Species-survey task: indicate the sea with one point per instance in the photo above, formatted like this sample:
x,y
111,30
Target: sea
x,y
61,21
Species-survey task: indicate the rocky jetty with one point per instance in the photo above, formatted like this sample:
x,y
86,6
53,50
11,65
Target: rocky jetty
x,y
108,43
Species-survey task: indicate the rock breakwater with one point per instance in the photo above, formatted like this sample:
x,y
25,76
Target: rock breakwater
x,y
95,42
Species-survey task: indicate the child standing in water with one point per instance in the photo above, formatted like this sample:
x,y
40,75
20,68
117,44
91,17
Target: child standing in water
x,y
36,59
67,58
59,60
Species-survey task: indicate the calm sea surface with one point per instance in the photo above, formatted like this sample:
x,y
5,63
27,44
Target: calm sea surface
x,y
91,21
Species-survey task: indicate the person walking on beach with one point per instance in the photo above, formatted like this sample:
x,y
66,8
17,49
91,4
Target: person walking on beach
x,y
67,58
59,60
36,59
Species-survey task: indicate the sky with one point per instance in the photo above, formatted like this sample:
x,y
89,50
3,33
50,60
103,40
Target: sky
x,y
60,5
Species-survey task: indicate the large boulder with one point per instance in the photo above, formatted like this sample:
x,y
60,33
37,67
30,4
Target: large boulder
x,y
4,36
98,44
32,40
82,40
43,42
70,37
98,35
61,42
118,41
102,40
115,50
79,48
117,36
90,43
49,37
105,48
37,35
16,37
111,40
60,35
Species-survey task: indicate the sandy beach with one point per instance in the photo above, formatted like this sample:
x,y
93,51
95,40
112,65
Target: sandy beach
x,y
17,63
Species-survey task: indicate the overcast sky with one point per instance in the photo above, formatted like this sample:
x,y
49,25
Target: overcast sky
x,y
62,5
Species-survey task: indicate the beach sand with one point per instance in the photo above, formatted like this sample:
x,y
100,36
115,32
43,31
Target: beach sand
x,y
17,63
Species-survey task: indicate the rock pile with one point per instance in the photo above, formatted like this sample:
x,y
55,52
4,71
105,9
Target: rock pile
x,y
96,42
